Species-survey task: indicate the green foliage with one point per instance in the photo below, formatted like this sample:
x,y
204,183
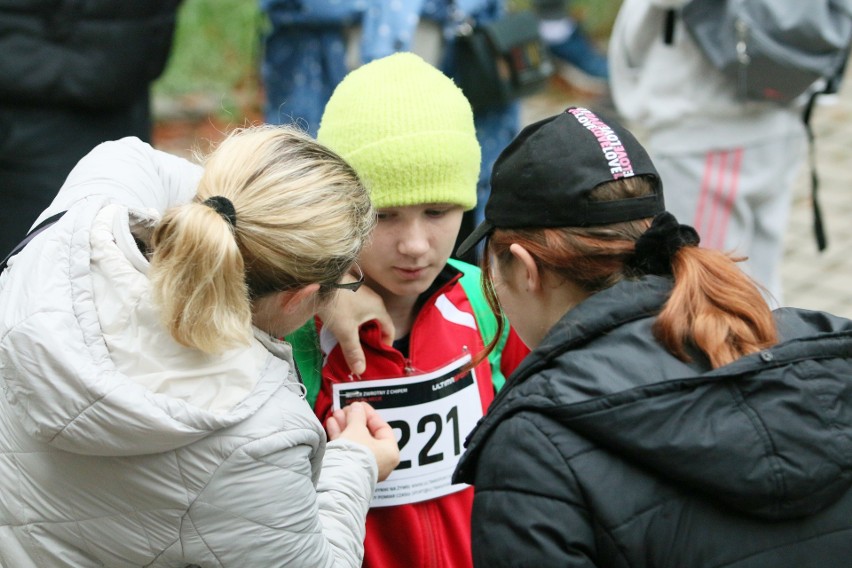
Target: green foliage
x,y
596,16
216,48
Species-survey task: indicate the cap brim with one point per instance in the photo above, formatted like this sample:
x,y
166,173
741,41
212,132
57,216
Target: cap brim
x,y
477,235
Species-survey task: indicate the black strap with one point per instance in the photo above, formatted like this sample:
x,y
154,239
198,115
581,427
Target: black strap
x,y
669,27
819,227
36,230
832,86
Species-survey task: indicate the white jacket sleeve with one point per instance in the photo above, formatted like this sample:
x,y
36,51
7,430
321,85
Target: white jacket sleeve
x,y
129,172
262,507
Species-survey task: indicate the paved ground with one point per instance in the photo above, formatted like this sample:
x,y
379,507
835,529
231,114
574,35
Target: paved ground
x,y
812,280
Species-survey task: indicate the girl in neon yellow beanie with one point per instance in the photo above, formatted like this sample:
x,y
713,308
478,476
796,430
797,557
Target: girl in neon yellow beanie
x,y
408,131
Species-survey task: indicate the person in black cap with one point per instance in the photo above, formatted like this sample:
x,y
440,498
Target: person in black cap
x,y
665,416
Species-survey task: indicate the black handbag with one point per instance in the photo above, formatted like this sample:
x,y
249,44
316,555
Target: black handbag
x,y
503,60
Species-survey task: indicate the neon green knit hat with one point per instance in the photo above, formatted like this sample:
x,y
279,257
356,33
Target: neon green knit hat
x,y
407,130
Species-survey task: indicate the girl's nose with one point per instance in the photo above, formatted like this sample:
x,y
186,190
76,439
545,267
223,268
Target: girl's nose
x,y
415,241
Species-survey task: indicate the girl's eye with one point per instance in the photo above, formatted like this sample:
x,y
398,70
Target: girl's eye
x,y
436,212
383,215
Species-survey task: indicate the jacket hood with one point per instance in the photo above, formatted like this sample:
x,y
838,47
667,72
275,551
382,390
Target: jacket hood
x,y
769,435
57,373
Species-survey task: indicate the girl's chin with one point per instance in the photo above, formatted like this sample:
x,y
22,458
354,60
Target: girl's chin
x,y
408,288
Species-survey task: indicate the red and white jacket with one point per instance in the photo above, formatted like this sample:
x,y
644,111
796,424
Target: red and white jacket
x,y
431,426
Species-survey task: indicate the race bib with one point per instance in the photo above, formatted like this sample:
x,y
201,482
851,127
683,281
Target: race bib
x,y
431,414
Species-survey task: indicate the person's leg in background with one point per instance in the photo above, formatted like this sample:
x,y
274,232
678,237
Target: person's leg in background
x,y
772,169
495,128
738,199
567,41
301,67
705,190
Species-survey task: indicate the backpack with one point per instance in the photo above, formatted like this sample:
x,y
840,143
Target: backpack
x,y
777,51
773,50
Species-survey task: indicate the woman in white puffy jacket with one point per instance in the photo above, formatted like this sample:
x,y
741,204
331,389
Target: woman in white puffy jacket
x,y
149,416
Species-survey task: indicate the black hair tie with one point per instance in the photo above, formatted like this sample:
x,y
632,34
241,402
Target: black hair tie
x,y
656,247
224,207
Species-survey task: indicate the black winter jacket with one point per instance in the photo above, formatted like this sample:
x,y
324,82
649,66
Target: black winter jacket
x,y
605,450
90,54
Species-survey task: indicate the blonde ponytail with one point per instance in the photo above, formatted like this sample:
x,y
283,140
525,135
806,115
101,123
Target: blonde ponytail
x,y
302,217
199,280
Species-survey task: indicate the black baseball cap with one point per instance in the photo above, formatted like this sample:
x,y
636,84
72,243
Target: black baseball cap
x,y
544,176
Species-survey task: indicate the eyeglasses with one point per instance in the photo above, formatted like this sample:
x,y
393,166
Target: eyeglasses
x,y
350,285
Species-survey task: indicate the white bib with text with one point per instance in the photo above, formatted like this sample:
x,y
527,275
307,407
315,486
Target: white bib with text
x,y
431,414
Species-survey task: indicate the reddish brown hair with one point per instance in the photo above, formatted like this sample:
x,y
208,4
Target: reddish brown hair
x,y
713,307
